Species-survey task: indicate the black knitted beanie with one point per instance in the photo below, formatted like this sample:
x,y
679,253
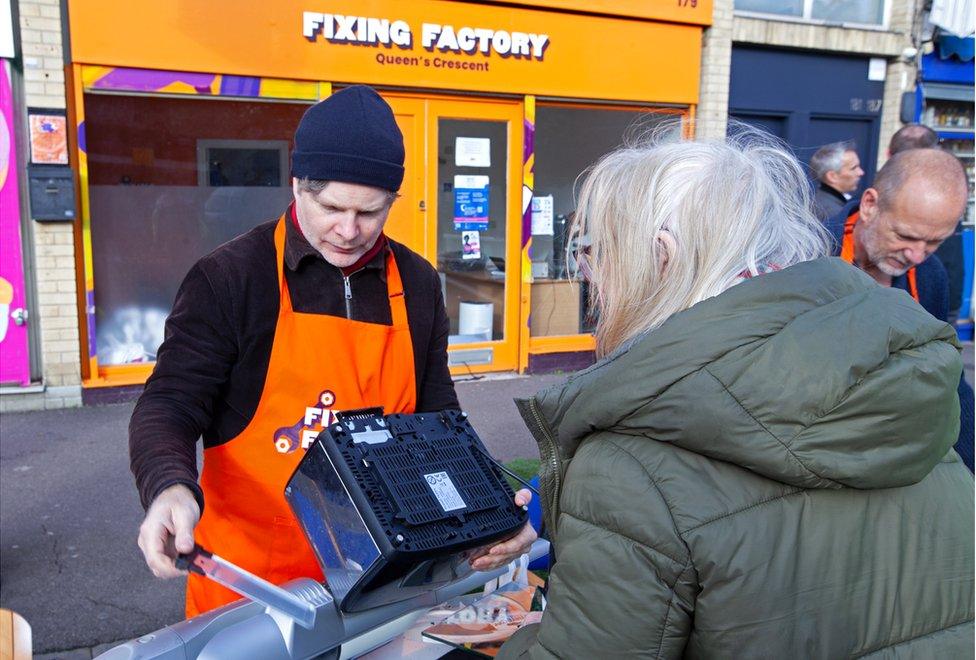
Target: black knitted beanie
x,y
352,137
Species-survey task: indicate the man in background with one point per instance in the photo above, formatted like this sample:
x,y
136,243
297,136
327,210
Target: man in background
x,y
919,136
838,171
912,136
893,231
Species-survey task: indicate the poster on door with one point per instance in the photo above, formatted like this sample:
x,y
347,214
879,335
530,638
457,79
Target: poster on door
x,y
14,356
471,205
470,245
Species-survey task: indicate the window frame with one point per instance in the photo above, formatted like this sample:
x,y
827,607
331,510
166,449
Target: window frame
x,y
807,18
203,144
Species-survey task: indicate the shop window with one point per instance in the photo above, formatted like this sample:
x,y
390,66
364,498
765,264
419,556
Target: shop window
x,y
242,163
953,119
866,12
860,12
167,189
568,140
783,7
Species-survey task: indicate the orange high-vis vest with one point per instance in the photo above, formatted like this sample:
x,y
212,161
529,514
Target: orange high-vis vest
x,y
319,364
847,252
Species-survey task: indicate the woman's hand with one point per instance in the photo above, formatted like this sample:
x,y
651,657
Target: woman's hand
x,y
488,558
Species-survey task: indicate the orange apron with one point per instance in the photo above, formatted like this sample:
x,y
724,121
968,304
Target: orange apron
x,y
847,252
318,364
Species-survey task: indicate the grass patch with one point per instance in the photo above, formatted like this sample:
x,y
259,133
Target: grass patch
x,y
523,467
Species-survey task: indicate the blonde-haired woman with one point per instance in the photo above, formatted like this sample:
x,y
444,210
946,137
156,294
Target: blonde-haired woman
x,y
760,465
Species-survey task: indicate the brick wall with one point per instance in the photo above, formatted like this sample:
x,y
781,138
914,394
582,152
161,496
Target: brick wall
x,y
40,37
713,107
57,303
901,73
817,37
901,78
55,274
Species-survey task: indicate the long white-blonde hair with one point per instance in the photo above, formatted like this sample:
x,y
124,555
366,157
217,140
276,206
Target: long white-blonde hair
x,y
670,223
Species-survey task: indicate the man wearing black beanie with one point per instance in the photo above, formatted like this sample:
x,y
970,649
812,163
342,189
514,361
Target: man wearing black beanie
x,y
270,335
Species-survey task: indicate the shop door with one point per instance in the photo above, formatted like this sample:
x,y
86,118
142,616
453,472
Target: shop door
x,y
407,222
14,355
809,99
459,207
775,125
474,176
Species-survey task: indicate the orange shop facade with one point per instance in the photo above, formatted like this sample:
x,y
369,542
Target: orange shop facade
x,y
184,119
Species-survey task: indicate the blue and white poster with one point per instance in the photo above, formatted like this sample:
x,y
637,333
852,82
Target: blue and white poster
x,y
471,203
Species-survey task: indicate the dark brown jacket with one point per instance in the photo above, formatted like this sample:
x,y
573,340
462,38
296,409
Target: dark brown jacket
x,y
211,366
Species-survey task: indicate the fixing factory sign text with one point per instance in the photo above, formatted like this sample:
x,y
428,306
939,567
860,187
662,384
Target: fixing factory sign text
x,y
517,48
368,31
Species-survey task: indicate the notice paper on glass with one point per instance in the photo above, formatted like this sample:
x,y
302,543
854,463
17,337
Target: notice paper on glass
x,y
877,68
471,206
472,152
542,216
470,245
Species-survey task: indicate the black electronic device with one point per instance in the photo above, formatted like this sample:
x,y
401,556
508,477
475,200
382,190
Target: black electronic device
x,y
393,505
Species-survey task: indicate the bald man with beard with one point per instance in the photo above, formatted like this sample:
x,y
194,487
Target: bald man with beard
x,y
892,232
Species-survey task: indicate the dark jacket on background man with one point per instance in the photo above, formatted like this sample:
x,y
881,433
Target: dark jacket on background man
x,y
951,254
932,282
766,475
211,367
827,202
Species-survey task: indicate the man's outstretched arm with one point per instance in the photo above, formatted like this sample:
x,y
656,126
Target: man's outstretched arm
x,y
177,405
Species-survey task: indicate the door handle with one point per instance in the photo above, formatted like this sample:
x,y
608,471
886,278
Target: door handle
x,y
19,316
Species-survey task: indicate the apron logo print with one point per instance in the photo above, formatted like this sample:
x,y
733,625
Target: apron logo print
x,y
303,432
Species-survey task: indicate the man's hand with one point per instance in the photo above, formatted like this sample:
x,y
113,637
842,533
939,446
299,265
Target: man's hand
x,y
167,530
486,559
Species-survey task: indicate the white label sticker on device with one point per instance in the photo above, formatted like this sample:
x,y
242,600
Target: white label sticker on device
x,y
444,491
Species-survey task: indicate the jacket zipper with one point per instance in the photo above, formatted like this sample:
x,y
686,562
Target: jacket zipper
x,y
549,479
348,291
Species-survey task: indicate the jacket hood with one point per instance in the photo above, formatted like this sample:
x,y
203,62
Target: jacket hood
x,y
814,376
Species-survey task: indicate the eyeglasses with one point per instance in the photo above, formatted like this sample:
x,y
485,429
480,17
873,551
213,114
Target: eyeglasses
x,y
582,258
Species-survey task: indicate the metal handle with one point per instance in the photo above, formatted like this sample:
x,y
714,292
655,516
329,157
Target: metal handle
x,y
19,316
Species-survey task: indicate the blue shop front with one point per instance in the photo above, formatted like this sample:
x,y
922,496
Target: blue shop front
x,y
944,101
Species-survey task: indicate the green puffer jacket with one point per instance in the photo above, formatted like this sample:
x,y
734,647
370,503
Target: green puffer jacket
x,y
769,474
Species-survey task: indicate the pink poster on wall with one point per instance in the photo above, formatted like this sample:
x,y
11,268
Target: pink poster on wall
x,y
14,356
